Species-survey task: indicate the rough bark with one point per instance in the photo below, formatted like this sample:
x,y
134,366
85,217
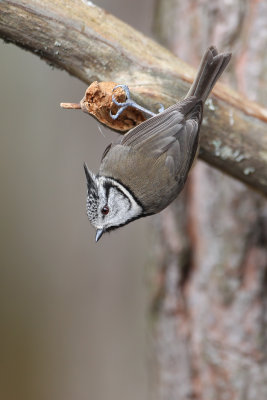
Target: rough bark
x,y
93,45
210,292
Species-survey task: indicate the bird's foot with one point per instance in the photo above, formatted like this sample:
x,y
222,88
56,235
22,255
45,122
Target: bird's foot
x,y
130,103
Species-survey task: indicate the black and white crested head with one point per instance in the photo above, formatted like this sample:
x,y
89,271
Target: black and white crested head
x,y
109,204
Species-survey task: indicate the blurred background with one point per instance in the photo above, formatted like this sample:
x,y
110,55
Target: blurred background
x,y
75,316
72,312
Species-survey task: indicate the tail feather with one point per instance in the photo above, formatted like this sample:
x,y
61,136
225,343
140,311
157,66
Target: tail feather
x,y
211,68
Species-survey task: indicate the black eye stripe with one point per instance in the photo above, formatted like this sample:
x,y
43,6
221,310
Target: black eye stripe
x,y
109,185
118,181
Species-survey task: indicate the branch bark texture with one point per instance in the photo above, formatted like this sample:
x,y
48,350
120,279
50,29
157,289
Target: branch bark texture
x,y
91,44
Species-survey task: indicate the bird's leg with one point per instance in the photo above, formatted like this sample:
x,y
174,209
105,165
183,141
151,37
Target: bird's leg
x,y
129,102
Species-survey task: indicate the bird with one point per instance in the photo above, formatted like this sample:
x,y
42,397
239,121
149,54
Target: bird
x,y
141,173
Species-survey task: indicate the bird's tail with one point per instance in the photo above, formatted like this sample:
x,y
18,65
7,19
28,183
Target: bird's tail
x,y
211,68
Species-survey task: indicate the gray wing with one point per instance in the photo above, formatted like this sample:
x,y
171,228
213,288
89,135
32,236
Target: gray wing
x,y
172,133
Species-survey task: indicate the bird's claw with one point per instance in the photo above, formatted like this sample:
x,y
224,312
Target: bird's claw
x,y
129,103
161,108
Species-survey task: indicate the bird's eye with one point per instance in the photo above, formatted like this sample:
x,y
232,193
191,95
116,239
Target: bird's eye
x,y
105,210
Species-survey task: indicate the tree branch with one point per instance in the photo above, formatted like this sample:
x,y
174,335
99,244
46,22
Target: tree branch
x,y
91,44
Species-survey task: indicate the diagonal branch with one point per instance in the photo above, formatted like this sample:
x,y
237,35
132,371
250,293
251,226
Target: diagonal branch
x,y
93,45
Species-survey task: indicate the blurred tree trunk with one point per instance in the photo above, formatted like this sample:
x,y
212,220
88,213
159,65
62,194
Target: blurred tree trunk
x,y
210,291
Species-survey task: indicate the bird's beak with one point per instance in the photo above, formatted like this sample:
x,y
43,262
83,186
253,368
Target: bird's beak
x,y
98,235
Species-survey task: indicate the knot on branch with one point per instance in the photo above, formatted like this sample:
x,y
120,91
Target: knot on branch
x,y
97,102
